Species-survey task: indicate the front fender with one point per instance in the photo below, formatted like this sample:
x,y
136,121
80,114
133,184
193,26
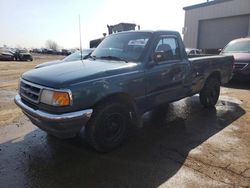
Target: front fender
x,y
89,93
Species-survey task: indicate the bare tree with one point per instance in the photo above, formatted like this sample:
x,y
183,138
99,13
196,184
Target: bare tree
x,y
51,44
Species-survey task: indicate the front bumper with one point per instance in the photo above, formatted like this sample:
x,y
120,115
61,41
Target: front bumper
x,y
60,125
242,72
241,77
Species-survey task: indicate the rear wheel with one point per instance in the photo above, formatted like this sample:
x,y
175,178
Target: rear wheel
x,y
107,127
210,93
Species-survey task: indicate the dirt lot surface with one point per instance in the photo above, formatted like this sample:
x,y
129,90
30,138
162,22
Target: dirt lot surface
x,y
10,72
188,146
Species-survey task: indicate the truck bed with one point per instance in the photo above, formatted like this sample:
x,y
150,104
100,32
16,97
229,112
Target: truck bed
x,y
203,65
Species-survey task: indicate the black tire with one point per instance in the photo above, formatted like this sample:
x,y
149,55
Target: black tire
x,y
210,93
107,127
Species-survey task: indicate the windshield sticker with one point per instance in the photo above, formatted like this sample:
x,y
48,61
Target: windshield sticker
x,y
138,42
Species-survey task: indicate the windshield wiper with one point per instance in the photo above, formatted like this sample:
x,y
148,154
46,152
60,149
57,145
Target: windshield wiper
x,y
92,57
113,58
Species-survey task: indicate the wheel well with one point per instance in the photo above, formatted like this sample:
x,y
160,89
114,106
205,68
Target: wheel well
x,y
121,98
216,74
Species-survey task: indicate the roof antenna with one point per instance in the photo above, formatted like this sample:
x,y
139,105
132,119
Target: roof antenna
x,y
80,36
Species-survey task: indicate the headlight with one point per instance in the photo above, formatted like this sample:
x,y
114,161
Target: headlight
x,y
56,98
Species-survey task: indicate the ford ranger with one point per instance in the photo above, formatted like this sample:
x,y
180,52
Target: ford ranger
x,y
128,74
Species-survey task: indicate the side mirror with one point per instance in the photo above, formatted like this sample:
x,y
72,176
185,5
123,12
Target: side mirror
x,y
159,56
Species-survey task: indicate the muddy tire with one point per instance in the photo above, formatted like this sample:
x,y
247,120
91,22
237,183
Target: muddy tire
x,y
107,127
210,93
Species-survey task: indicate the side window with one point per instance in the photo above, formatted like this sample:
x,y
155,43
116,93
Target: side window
x,y
169,45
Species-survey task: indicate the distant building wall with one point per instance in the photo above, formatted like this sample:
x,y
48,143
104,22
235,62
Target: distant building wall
x,y
213,24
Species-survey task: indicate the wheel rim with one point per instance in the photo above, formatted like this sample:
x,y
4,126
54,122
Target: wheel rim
x,y
113,127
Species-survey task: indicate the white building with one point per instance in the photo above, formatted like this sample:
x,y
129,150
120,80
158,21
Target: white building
x,y
213,24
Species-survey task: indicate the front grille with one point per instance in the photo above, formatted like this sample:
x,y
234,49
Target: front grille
x,y
29,91
239,65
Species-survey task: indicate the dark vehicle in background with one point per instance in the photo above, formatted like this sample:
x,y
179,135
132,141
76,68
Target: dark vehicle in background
x,y
65,52
128,74
114,29
37,50
6,55
240,49
23,55
72,57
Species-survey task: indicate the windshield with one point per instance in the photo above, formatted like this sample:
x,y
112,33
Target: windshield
x,y
122,46
242,46
77,56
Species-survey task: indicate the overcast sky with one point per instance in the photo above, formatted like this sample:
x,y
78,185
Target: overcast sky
x,y
29,23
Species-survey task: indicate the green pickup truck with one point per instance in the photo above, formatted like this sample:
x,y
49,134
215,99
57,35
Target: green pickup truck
x,y
128,74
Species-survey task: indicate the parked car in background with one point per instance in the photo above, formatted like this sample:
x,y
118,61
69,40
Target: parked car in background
x,y
240,49
65,52
6,55
23,55
72,57
193,51
36,50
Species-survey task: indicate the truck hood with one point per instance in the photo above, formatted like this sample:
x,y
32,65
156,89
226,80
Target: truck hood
x,y
48,63
67,73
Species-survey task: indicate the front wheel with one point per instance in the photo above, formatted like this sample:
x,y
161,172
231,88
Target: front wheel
x,y
210,93
107,127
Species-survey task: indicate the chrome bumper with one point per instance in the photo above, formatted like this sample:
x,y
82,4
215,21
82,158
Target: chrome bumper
x,y
52,117
65,125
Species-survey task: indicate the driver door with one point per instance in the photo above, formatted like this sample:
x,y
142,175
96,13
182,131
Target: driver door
x,y
165,81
